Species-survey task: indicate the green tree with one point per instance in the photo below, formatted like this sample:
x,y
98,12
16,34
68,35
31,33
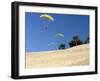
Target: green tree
x,y
75,41
62,46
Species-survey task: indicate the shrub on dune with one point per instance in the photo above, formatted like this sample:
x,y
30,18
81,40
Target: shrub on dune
x,y
62,46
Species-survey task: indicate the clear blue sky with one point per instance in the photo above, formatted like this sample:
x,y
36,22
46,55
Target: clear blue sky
x,y
40,32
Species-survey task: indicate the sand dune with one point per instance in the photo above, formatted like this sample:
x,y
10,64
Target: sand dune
x,y
75,56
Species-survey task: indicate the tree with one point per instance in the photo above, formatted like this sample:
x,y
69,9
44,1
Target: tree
x,y
62,46
75,41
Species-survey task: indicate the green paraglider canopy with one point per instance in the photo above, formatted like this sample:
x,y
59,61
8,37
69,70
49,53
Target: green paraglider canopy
x,y
59,35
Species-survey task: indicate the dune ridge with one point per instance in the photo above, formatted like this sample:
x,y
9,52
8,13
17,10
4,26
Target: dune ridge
x,y
75,56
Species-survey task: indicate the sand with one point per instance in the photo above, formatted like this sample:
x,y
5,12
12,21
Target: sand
x,y
75,56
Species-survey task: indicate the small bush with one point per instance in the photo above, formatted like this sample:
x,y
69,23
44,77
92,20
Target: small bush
x,y
62,46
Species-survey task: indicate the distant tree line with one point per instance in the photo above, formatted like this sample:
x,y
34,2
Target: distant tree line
x,y
74,42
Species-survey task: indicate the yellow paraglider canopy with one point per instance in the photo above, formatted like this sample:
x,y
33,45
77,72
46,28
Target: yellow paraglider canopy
x,y
47,16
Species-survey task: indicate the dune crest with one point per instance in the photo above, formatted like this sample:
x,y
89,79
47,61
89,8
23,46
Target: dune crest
x,y
75,56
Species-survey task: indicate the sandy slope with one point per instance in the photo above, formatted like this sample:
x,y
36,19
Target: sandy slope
x,y
78,55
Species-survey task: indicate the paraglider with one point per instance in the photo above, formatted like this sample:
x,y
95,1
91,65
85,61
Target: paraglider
x,y
59,35
47,17
51,44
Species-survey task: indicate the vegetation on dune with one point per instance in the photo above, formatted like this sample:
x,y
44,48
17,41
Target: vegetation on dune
x,y
62,46
75,41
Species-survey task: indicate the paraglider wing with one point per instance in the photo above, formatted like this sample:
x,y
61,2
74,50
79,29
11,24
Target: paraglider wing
x,y
59,34
47,16
51,44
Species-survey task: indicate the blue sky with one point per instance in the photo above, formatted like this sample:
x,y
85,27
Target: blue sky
x,y
40,32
